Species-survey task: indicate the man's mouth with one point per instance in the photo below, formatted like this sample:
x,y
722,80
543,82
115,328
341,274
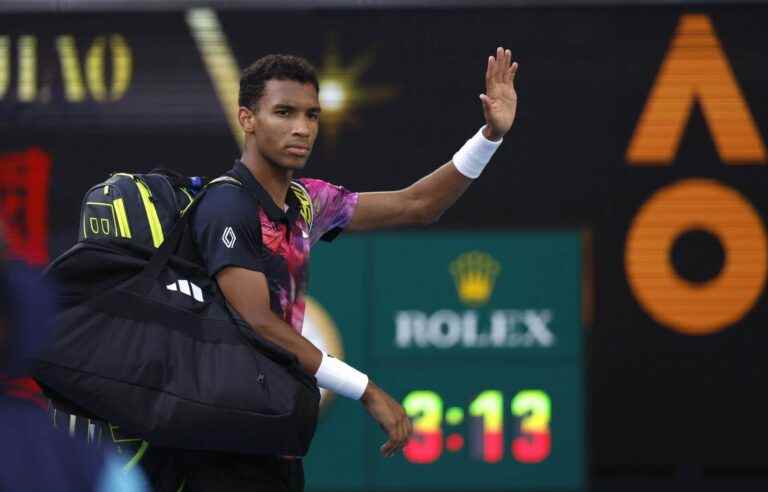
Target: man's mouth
x,y
298,150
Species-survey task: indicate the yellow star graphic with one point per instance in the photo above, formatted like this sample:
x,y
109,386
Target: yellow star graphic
x,y
340,92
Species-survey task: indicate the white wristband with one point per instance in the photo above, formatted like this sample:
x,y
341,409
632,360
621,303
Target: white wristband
x,y
341,378
472,157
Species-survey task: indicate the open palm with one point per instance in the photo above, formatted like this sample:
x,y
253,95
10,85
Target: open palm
x,y
500,98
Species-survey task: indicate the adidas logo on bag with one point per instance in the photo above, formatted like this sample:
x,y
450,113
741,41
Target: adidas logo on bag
x,y
188,288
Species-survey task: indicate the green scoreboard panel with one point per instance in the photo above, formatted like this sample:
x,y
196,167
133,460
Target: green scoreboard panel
x,y
478,335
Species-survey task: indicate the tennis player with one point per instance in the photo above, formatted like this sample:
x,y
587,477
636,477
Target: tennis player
x,y
260,255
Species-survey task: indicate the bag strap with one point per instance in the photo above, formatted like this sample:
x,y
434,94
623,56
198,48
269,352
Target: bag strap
x,y
171,243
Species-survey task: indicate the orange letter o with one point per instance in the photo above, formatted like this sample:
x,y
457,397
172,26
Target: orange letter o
x,y
687,307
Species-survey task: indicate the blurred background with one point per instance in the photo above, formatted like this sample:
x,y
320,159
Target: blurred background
x,y
591,315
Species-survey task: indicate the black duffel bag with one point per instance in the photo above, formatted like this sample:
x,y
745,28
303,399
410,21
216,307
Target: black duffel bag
x,y
144,340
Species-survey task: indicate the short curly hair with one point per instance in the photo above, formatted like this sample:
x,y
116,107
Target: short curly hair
x,y
280,67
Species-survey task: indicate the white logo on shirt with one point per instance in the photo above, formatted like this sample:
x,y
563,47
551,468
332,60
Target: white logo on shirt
x,y
229,238
187,288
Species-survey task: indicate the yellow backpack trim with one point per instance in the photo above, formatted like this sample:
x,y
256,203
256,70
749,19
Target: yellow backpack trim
x,y
122,218
155,227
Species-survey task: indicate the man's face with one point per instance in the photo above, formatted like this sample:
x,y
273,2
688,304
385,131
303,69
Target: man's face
x,y
285,123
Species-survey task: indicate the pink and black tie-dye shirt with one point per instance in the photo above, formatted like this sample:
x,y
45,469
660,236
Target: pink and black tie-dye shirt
x,y
242,226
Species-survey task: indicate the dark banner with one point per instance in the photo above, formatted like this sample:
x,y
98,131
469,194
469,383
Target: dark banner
x,y
644,125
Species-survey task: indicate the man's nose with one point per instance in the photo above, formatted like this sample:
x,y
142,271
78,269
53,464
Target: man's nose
x,y
301,128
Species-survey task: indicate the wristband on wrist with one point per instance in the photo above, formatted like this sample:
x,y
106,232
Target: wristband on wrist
x,y
473,156
341,378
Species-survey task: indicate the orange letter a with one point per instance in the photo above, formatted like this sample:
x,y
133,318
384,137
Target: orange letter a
x,y
695,68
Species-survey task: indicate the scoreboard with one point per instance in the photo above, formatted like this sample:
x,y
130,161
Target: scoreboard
x,y
478,335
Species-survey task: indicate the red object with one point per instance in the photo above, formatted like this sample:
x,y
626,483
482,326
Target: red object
x,y
454,442
494,447
424,447
532,448
24,178
24,388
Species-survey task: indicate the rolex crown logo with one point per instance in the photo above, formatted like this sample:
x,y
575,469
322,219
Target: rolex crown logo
x,y
475,273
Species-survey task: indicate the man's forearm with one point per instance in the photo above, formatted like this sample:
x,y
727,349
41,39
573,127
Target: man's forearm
x,y
433,194
282,334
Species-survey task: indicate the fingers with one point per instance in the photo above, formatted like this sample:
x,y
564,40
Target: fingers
x,y
394,444
510,76
399,434
500,67
486,104
388,448
499,64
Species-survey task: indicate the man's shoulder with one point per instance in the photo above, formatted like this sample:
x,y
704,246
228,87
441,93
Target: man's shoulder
x,y
317,187
225,199
226,193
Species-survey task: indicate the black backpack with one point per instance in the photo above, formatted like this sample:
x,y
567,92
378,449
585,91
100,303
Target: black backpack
x,y
145,340
138,208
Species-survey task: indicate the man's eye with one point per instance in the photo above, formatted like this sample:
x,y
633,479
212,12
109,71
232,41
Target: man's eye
x,y
314,116
282,112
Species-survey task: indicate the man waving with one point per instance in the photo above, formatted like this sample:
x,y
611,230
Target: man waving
x,y
258,249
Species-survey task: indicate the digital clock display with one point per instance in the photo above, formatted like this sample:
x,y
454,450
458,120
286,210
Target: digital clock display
x,y
531,408
480,425
479,338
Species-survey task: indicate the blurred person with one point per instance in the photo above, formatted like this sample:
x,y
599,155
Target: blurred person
x,y
33,455
259,254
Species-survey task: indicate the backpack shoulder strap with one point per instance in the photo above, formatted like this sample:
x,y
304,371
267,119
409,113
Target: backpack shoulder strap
x,y
225,179
220,180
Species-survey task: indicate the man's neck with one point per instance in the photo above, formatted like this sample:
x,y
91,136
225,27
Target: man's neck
x,y
275,180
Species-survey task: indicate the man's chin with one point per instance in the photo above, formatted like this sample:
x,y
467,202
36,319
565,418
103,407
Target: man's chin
x,y
296,166
292,164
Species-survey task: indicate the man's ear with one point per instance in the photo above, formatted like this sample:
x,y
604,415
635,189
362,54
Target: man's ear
x,y
247,119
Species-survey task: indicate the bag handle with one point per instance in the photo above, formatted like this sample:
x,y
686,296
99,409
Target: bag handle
x,y
169,246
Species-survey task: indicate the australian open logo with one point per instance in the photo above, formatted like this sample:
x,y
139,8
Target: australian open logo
x,y
483,324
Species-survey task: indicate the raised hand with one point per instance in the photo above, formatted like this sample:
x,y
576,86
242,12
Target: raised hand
x,y
500,98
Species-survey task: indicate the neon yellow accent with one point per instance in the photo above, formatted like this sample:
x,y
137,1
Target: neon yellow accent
x,y
27,81
96,229
122,218
74,88
136,457
94,69
219,61
190,201
181,487
426,407
5,64
154,221
535,409
122,67
490,405
305,203
113,428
